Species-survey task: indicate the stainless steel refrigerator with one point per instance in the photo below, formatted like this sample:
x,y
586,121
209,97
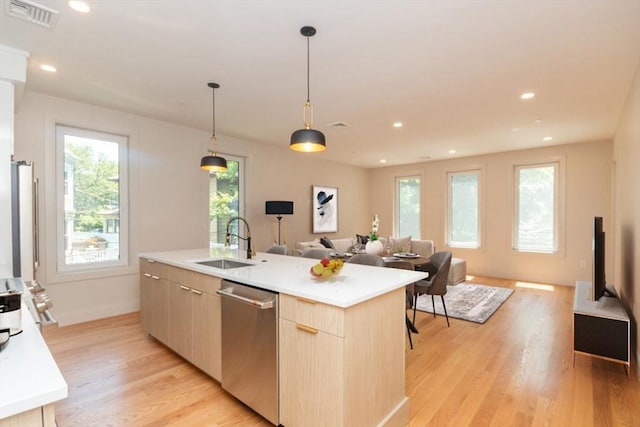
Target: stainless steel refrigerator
x,y
25,240
24,228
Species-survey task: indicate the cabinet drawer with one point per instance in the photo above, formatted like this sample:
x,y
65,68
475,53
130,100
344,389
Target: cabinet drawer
x,y
191,279
313,314
154,268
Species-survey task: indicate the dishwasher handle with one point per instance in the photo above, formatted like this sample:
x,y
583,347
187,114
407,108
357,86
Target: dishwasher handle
x,y
262,305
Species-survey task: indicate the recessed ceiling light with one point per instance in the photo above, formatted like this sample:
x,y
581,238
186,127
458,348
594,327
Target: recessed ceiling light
x,y
452,151
539,121
397,124
527,95
48,68
547,138
383,161
79,6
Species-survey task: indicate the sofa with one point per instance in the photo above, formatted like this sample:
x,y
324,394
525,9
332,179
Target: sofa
x,y
425,248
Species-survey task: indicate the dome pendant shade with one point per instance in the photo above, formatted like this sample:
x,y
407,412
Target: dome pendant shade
x,y
213,163
308,141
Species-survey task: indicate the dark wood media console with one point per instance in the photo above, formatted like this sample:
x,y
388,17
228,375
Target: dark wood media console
x,y
600,328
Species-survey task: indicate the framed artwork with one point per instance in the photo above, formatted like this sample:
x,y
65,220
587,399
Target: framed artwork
x,y
325,209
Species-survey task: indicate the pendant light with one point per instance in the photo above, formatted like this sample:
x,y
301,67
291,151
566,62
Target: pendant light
x,y
213,162
307,139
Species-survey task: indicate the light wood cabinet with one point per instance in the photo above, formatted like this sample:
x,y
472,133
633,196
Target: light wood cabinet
x,y
181,316
181,309
154,299
43,416
343,367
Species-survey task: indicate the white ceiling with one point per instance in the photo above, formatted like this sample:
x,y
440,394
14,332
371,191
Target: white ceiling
x,y
451,71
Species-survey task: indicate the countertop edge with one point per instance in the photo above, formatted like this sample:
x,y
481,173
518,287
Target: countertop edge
x,y
299,286
27,360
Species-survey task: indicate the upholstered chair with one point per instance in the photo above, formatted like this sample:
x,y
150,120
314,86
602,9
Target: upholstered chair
x,y
278,249
366,259
317,253
436,283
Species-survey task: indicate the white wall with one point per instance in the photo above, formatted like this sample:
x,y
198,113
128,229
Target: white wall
x,y
587,178
168,195
627,209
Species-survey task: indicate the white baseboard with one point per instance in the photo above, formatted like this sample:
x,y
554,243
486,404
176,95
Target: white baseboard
x,y
94,313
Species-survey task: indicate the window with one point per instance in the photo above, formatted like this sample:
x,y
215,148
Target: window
x,y
408,207
91,199
226,200
536,208
463,209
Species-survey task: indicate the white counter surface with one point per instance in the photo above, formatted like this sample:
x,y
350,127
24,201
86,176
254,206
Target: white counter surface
x,y
290,275
29,376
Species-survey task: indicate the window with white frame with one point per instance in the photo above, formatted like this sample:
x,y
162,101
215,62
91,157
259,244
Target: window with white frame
x,y
408,207
536,208
226,200
91,199
463,216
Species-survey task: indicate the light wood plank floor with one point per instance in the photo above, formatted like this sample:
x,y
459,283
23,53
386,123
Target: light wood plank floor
x,y
515,370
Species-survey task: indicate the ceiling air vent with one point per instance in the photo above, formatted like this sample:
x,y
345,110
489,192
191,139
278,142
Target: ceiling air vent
x,y
32,12
339,125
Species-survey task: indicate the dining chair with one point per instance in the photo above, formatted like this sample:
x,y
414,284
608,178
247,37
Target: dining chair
x,y
278,249
367,259
436,283
317,253
406,265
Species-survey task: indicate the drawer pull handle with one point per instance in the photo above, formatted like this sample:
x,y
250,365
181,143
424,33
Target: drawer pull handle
x,y
185,288
147,275
197,292
155,277
308,301
306,328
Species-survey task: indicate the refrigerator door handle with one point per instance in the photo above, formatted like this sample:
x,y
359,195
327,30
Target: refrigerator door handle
x,y
36,223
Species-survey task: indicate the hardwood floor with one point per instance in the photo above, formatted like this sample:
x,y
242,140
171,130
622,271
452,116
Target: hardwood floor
x,y
514,370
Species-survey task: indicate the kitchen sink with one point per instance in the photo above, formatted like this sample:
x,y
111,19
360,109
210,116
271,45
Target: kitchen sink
x,y
224,263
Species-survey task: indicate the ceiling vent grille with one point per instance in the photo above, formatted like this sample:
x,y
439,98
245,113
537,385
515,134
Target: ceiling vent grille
x,y
32,12
339,125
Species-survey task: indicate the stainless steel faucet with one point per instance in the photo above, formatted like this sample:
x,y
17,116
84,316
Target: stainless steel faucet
x,y
227,242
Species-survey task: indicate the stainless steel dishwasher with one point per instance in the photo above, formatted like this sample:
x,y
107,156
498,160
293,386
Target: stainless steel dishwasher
x,y
250,346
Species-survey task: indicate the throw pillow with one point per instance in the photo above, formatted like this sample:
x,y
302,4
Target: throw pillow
x,y
401,244
362,239
327,243
313,244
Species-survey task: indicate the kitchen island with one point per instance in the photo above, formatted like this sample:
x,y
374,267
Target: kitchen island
x,y
30,380
341,342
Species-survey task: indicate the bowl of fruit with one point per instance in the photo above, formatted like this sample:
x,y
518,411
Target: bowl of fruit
x,y
326,268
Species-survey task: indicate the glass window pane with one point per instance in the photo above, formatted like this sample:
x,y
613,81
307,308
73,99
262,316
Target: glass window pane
x,y
225,202
408,202
463,210
91,205
536,208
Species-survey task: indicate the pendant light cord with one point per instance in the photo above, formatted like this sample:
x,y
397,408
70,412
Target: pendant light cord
x,y
213,120
308,97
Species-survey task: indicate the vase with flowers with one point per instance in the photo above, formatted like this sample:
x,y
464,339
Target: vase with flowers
x,y
374,245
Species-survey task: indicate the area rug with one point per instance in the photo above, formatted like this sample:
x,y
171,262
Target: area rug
x,y
467,301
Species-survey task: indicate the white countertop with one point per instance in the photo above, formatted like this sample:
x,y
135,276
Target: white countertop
x,y
29,376
290,275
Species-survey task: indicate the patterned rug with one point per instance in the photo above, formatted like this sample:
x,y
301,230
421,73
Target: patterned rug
x,y
467,301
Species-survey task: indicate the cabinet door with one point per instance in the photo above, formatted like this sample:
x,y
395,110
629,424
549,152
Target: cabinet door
x,y
206,332
180,326
160,300
311,376
146,302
